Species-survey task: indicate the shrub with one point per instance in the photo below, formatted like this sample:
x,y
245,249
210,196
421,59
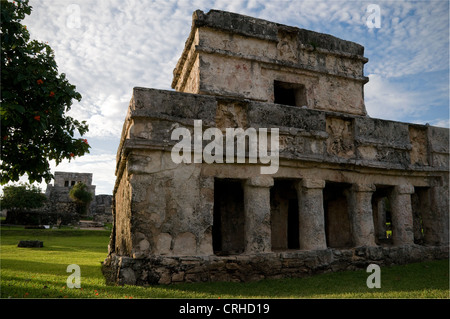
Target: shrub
x,y
81,195
22,197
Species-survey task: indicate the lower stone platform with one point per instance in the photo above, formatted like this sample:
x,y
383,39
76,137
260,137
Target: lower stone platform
x,y
153,270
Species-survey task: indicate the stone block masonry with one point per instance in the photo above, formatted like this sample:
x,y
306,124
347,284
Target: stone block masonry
x,y
250,267
350,190
59,200
60,203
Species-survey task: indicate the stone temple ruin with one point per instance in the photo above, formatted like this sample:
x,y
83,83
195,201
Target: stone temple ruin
x,y
59,209
58,193
59,199
349,191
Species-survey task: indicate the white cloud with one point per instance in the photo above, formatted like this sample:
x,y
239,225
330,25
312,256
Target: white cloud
x,y
413,38
441,123
388,100
400,101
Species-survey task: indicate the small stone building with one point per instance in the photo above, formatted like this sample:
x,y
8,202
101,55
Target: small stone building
x,y
347,190
59,200
58,193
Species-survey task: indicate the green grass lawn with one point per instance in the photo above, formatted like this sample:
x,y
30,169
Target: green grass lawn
x,y
41,273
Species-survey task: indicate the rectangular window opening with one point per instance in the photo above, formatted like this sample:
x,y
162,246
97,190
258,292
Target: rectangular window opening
x,y
292,94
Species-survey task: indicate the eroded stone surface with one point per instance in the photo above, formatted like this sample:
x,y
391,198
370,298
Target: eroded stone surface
x,y
342,174
171,270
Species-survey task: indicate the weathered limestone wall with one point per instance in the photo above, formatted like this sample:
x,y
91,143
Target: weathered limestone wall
x,y
226,55
101,208
304,134
64,179
59,200
121,240
164,208
164,212
243,268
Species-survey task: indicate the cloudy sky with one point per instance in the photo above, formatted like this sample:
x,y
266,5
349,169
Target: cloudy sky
x,y
107,47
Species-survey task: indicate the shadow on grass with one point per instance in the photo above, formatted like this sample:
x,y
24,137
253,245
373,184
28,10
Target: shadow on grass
x,y
38,267
6,231
58,240
396,283
275,288
40,288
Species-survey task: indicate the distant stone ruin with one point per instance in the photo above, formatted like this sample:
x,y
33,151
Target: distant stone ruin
x,y
59,200
348,190
58,193
60,209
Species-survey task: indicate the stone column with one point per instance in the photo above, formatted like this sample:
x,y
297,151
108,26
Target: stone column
x,y
361,215
402,217
436,219
257,214
311,215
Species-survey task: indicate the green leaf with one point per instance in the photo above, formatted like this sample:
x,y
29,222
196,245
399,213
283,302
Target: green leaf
x,y
19,108
32,142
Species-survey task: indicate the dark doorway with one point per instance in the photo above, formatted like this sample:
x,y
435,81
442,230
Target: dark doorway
x,y
284,215
337,219
293,224
229,217
421,209
382,214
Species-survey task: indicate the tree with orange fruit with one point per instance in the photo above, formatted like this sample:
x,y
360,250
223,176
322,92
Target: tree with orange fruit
x,y
35,98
